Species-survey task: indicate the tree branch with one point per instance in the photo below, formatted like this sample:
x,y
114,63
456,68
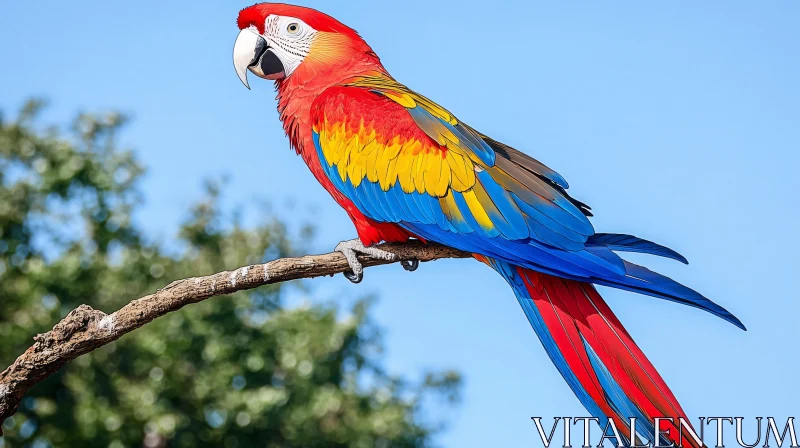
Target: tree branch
x,y
86,329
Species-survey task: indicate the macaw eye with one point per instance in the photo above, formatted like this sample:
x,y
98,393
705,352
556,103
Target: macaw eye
x,y
293,28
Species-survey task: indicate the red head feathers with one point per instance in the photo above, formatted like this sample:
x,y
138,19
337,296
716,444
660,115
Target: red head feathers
x,y
256,15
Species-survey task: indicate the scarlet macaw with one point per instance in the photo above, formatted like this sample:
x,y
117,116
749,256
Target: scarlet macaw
x,y
404,167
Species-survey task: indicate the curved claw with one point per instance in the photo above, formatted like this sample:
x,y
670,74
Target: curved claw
x,y
410,265
351,248
353,277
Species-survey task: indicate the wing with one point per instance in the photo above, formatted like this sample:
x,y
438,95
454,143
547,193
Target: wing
x,y
402,158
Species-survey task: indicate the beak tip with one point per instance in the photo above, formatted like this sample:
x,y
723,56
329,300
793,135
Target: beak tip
x,y
243,78
242,74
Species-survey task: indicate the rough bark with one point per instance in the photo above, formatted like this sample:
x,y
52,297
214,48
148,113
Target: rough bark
x,y
85,329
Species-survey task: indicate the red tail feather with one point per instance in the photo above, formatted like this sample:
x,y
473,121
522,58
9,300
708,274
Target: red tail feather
x,y
596,355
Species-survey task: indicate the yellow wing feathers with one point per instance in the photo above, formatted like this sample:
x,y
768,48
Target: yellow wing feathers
x,y
419,166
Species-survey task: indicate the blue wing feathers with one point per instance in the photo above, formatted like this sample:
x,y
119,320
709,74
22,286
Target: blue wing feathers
x,y
469,219
498,220
545,207
387,208
558,227
518,228
557,240
423,203
368,198
407,204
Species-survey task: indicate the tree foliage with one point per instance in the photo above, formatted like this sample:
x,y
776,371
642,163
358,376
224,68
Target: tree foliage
x,y
236,371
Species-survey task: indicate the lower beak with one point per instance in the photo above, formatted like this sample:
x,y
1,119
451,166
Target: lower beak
x,y
251,52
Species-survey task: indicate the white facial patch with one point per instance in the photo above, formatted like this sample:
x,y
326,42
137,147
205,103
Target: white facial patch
x,y
290,39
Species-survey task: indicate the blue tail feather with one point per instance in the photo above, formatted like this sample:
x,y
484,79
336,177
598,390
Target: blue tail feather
x,y
629,243
644,281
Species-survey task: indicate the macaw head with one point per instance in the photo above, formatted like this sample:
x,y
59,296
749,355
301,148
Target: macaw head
x,y
277,40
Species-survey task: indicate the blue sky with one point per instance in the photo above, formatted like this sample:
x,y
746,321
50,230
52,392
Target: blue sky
x,y
676,121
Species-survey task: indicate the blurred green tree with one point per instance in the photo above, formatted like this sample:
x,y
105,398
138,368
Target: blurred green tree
x,y
238,371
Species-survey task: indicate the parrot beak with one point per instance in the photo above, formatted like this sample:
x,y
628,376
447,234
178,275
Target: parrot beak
x,y
251,52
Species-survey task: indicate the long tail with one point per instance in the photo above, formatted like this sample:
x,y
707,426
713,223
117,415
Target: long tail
x,y
596,356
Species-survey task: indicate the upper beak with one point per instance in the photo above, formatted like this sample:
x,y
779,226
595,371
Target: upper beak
x,y
248,48
252,52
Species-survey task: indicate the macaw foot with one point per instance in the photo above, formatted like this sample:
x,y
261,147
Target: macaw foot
x,y
410,265
351,248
